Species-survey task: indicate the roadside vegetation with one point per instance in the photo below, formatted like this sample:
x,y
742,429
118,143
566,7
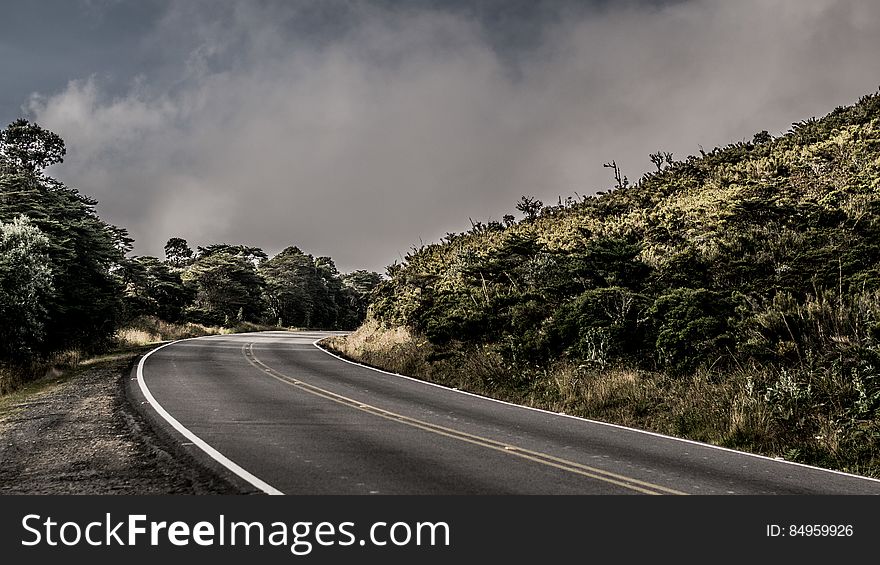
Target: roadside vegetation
x,y
135,337
731,297
70,288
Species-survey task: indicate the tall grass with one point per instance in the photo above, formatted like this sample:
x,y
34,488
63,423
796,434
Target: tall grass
x,y
146,330
140,332
13,377
822,414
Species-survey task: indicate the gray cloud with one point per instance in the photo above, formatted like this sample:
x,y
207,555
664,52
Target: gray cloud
x,y
357,131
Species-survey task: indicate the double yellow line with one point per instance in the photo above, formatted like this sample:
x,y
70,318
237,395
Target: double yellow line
x,y
513,450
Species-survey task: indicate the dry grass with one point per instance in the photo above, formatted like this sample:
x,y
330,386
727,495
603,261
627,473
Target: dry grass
x,y
757,410
13,377
148,330
141,332
394,349
372,338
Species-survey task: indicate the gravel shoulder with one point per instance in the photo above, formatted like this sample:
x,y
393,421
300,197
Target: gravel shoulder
x,y
77,433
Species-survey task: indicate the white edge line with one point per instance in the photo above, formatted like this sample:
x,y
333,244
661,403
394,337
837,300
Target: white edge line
x,y
608,424
199,442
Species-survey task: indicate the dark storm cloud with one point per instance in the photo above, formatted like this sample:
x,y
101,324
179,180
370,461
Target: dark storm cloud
x,y
45,44
357,129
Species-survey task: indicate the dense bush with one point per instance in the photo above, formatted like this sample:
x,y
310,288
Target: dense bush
x,y
692,328
601,324
25,285
82,252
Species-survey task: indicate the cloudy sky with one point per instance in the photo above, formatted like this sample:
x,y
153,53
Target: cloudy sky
x,y
358,129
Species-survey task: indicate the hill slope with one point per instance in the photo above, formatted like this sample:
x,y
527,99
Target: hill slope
x,y
731,297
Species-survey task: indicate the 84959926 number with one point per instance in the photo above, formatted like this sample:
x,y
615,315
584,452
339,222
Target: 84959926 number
x,y
820,530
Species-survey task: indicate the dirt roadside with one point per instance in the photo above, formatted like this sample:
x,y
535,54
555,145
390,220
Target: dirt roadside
x,y
78,434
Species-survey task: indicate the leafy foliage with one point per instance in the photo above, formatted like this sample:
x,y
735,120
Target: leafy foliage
x,y
227,290
82,252
300,289
692,327
28,147
237,283
25,284
178,253
154,288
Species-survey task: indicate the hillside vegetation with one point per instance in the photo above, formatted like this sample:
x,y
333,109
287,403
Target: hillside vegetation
x,y
730,297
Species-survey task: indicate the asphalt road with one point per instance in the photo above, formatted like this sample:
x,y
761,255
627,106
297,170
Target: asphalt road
x,y
284,416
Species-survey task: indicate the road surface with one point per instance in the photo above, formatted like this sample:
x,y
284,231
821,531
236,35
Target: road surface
x,y
285,417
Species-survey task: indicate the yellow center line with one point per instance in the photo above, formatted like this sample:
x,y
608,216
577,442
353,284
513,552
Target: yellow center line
x,y
513,450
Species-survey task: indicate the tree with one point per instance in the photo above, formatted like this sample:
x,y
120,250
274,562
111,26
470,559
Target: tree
x,y
762,136
29,147
294,290
307,291
254,255
226,287
25,284
178,252
692,327
153,287
83,251
529,206
357,290
361,281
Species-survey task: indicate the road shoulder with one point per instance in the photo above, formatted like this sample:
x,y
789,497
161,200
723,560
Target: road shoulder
x,y
78,433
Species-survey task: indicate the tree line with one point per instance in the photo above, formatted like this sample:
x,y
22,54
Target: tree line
x,y
224,284
67,280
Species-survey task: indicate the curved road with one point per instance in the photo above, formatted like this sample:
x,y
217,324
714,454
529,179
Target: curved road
x,y
287,417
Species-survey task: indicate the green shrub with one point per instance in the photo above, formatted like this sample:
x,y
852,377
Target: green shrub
x,y
692,328
600,322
